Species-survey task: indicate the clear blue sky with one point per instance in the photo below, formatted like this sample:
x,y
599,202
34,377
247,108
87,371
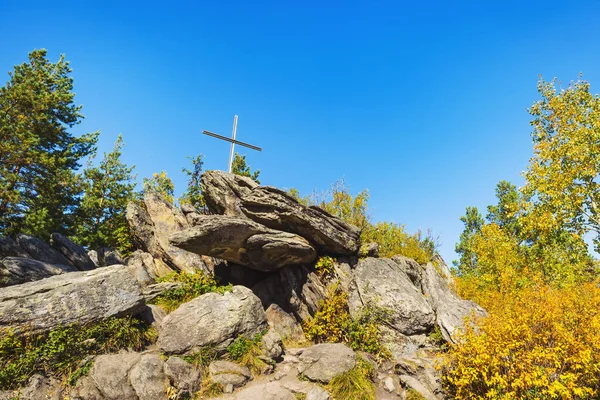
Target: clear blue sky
x,y
423,103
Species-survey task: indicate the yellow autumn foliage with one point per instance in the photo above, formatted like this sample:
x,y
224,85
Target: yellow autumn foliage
x,y
538,342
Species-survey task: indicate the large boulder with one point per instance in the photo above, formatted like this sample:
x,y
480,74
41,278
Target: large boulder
x,y
40,250
151,223
73,252
16,270
212,319
10,248
451,311
323,362
77,297
382,283
236,196
244,242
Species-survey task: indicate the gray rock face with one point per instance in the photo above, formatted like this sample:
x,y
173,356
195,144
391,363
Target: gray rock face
x,y
284,324
93,255
323,362
38,387
10,248
40,250
297,288
183,376
411,268
383,283
108,257
152,223
110,374
228,373
73,252
212,319
154,267
148,379
244,242
153,315
451,310
15,270
137,376
236,196
78,297
271,345
222,191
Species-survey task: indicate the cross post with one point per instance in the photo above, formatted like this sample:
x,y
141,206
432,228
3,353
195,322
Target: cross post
x,y
233,141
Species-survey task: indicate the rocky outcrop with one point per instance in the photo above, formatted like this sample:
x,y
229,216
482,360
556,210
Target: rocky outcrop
x,y
382,283
223,192
151,223
323,362
212,319
16,270
73,252
236,196
40,250
451,311
78,297
244,242
276,209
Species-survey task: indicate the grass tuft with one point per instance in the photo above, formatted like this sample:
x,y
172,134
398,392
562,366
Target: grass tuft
x,y
356,384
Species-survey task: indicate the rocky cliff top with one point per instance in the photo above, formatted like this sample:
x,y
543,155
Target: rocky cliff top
x,y
263,246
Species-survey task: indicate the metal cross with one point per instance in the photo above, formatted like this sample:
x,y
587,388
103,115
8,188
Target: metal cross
x,y
232,140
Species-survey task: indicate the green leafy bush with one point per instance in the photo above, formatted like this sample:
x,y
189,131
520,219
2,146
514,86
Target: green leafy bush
x,y
332,323
192,286
60,351
325,266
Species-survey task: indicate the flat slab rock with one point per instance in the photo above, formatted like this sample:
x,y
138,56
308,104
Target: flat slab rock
x,y
17,270
244,242
212,319
40,250
77,297
323,362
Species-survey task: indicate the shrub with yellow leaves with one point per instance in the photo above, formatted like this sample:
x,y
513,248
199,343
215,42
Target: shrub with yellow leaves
x,y
541,342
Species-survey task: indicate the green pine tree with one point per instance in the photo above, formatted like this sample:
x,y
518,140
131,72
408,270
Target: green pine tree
x,y
239,167
193,193
39,157
108,188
